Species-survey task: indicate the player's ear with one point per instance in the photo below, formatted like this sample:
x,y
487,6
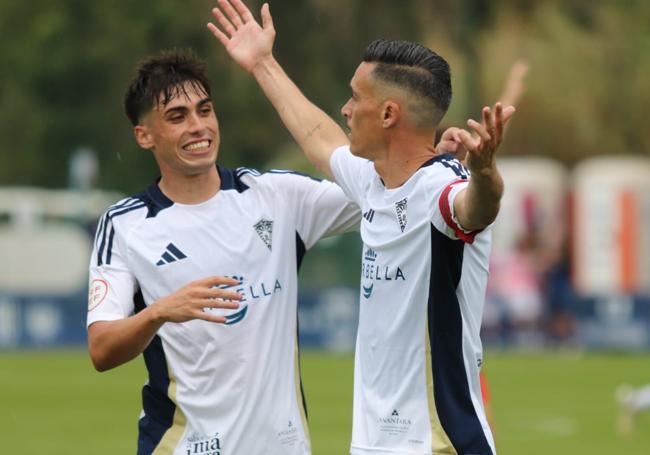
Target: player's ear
x,y
390,114
143,137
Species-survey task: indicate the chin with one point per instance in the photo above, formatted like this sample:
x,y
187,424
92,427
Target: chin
x,y
358,152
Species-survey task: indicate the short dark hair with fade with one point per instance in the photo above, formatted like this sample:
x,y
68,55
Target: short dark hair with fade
x,y
161,77
414,67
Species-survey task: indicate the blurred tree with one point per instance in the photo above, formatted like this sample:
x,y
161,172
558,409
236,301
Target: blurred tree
x,y
587,84
66,63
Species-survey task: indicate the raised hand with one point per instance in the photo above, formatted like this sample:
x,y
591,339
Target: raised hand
x,y
515,87
450,143
481,147
242,37
189,301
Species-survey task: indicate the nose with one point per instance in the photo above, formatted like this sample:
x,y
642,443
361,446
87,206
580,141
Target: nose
x,y
345,110
195,123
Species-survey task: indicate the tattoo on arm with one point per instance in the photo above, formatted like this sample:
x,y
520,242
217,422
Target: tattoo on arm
x,y
313,130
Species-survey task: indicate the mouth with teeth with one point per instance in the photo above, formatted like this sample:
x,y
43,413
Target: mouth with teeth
x,y
198,147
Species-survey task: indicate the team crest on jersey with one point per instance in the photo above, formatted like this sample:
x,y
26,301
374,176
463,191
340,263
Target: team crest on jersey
x,y
264,229
400,208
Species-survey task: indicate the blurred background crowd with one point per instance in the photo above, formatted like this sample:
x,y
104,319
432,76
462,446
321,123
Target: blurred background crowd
x,y
571,256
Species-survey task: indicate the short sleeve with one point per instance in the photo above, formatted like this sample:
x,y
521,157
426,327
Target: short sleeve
x,y
444,218
111,284
321,208
350,173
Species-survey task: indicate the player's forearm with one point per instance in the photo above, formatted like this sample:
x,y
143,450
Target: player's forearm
x,y
113,343
479,204
314,131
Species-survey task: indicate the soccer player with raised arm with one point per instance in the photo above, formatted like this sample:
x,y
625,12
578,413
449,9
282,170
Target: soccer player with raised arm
x,y
199,273
425,230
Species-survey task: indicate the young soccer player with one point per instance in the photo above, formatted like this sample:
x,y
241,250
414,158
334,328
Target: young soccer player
x,y
425,230
199,273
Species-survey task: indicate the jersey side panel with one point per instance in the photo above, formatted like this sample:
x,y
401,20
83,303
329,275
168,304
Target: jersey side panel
x,y
453,397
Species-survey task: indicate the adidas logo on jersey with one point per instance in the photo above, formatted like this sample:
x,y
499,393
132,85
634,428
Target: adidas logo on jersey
x,y
369,215
171,254
264,229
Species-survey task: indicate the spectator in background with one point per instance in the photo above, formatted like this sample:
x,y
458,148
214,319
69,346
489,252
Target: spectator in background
x,y
515,291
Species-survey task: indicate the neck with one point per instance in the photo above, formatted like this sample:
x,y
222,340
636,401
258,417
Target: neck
x,y
190,189
402,161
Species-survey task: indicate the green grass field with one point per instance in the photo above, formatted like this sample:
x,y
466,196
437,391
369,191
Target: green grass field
x,y
544,403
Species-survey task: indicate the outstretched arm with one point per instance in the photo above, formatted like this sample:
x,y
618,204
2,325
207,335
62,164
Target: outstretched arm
x,y
478,205
112,343
514,87
251,46
513,90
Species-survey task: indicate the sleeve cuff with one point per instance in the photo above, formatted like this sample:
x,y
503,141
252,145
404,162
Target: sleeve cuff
x,y
446,209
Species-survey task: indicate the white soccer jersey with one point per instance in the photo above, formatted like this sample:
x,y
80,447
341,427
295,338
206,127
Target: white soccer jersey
x,y
226,389
423,280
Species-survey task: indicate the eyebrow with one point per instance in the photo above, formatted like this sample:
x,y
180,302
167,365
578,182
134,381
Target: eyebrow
x,y
180,109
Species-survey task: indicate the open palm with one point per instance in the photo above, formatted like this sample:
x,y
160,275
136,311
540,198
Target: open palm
x,y
245,41
482,146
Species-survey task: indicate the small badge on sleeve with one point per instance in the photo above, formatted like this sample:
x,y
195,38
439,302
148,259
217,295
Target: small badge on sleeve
x,y
97,293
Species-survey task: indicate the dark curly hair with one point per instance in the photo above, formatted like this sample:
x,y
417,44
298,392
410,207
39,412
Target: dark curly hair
x,y
161,77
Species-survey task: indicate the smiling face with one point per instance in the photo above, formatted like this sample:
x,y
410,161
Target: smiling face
x,y
363,113
182,133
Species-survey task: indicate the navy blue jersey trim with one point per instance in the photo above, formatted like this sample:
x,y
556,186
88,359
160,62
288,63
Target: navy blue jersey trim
x,y
100,238
109,252
302,390
450,385
108,218
230,180
158,408
155,199
300,251
449,161
300,255
103,220
437,159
